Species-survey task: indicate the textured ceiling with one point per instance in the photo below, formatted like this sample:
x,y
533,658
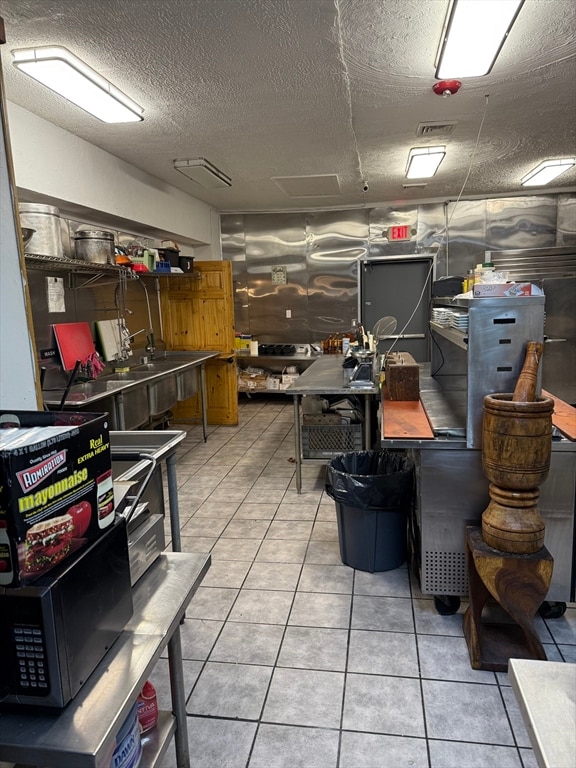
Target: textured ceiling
x,y
285,88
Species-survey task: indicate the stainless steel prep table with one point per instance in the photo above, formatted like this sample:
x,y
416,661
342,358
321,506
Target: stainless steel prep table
x,y
326,377
84,733
452,492
546,694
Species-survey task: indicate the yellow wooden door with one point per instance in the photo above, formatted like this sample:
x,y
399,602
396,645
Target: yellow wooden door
x,y
198,313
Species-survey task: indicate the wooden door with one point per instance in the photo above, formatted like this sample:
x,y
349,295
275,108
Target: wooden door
x,y
198,313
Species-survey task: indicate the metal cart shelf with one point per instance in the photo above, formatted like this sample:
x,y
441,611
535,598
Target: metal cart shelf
x,y
83,734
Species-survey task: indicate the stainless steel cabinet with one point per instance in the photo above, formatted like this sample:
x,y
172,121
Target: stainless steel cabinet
x,y
487,356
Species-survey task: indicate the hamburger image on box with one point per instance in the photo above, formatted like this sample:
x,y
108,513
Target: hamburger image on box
x,y
55,488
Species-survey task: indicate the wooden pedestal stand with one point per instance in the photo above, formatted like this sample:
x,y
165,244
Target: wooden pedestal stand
x,y
518,583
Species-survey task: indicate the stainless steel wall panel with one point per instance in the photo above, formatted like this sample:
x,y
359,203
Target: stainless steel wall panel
x,y
277,240
79,305
559,360
432,231
321,291
335,240
566,220
389,216
521,222
466,238
233,240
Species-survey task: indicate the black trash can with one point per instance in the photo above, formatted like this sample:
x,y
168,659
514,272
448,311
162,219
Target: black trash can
x,y
373,491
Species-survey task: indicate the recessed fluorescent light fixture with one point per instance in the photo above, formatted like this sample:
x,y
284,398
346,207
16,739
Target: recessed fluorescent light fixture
x,y
64,73
201,171
423,162
547,171
474,35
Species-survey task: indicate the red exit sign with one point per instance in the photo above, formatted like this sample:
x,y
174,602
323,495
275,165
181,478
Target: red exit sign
x,y
399,232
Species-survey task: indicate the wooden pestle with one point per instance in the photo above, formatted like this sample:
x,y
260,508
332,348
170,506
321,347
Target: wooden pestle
x,y
525,390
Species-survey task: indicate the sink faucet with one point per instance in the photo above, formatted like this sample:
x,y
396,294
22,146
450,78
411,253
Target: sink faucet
x,y
151,345
127,338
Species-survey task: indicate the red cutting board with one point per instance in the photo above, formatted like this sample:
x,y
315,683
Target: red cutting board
x,y
74,342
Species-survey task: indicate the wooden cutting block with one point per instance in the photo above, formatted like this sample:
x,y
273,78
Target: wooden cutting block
x,y
402,376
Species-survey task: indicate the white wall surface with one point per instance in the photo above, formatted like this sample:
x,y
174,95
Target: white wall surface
x,y
54,163
17,367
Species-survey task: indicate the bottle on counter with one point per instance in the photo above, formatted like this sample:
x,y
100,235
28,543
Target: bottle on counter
x,y
6,569
487,270
147,708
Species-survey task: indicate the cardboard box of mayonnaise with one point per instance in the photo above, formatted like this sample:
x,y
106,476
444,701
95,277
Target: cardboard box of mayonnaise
x,y
485,290
56,490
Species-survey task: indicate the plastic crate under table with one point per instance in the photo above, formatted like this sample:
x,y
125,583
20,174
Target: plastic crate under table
x,y
326,440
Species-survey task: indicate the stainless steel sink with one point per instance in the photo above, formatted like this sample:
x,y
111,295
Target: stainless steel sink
x,y
86,397
162,389
156,366
186,377
132,397
127,376
83,393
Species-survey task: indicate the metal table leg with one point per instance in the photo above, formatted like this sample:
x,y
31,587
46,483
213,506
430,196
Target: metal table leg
x,y
297,443
173,503
367,422
178,700
119,405
203,399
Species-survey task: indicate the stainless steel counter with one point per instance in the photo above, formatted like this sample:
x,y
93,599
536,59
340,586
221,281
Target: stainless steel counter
x,y
116,386
546,694
452,492
326,377
83,734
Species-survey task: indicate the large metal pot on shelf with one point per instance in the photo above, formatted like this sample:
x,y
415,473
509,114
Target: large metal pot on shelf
x,y
95,246
45,224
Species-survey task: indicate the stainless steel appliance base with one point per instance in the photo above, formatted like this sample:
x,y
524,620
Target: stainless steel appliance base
x,y
145,544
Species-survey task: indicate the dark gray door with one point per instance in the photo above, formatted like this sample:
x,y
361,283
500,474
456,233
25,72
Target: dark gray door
x,y
392,287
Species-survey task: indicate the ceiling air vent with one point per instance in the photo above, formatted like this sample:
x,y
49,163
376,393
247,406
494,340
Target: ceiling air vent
x,y
436,129
417,185
309,186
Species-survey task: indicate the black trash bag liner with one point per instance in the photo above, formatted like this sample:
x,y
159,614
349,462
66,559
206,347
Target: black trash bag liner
x,y
371,480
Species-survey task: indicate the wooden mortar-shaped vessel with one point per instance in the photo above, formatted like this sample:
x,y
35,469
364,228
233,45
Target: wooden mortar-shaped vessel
x,y
516,450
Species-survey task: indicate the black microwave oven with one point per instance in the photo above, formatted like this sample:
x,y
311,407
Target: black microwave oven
x,y
54,632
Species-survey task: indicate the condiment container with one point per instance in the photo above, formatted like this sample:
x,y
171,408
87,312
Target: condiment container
x,y
94,245
6,568
128,751
147,707
45,220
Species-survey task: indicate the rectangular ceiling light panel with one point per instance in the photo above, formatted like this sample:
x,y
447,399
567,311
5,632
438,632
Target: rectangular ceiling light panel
x,y
474,35
203,173
423,162
547,172
67,75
